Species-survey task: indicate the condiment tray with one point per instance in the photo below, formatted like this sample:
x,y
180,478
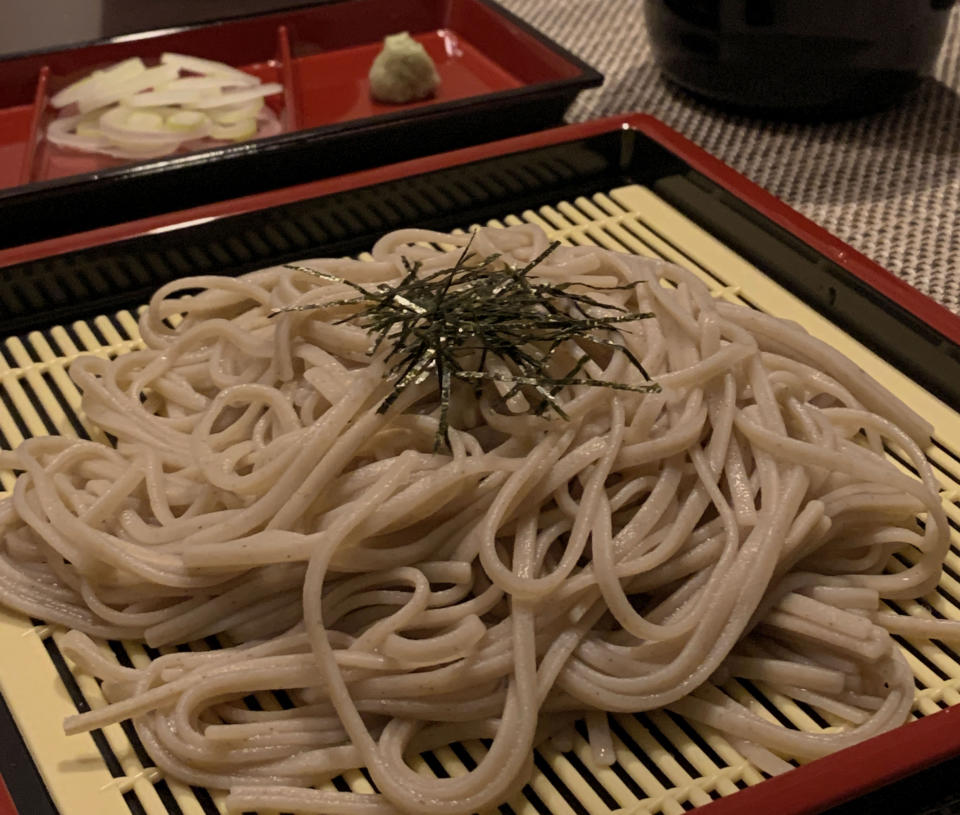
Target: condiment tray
x,y
498,77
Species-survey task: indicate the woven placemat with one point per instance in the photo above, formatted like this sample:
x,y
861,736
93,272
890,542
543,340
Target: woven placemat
x,y
888,184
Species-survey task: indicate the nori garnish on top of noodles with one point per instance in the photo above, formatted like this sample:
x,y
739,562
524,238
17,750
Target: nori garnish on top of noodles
x,y
436,322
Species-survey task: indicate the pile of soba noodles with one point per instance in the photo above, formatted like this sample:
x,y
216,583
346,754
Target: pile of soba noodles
x,y
535,571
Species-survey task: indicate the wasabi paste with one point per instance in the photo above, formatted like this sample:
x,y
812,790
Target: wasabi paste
x,y
402,71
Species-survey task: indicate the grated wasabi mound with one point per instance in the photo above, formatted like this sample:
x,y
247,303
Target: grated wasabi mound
x,y
402,71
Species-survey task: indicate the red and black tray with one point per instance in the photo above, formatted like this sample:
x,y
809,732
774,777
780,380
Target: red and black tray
x,y
498,77
76,277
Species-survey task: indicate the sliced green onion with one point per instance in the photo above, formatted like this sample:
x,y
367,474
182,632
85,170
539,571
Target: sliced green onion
x,y
138,126
238,96
163,96
130,110
116,73
188,122
236,131
62,133
205,83
104,94
228,114
207,67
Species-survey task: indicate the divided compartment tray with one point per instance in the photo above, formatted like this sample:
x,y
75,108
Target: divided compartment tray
x,y
628,184
498,77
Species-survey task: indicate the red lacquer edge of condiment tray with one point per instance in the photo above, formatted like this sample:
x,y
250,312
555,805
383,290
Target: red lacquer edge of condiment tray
x,y
6,802
806,790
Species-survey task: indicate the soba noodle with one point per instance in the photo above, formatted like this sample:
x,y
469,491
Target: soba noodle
x,y
537,572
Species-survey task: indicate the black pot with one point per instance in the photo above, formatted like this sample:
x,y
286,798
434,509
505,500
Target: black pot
x,y
797,58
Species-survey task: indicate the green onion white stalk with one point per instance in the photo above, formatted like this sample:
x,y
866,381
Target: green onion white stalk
x,y
130,110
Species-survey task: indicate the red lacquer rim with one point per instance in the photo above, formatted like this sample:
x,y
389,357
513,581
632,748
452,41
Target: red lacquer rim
x,y
850,773
6,802
806,790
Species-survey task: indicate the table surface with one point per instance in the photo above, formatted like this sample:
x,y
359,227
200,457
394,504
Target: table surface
x,y
887,183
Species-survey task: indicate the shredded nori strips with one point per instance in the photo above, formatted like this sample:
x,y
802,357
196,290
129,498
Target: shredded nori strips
x,y
480,308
